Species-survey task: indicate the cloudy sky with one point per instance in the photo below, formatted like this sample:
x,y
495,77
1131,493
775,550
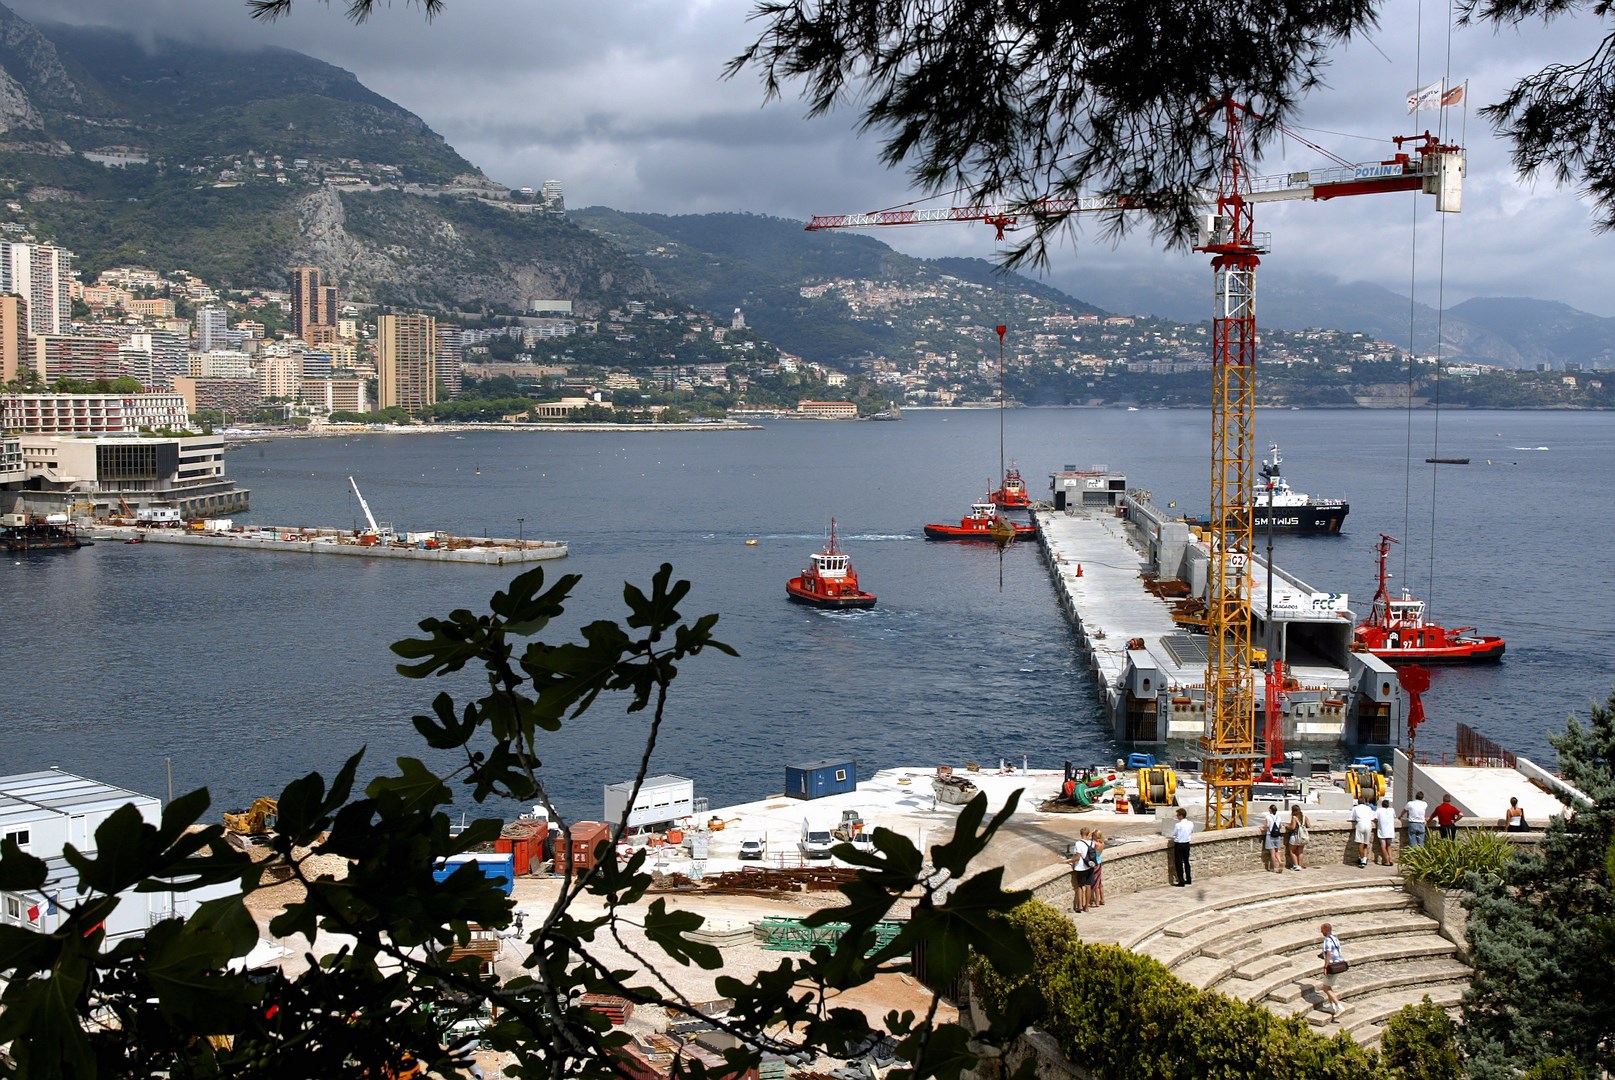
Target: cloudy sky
x,y
622,103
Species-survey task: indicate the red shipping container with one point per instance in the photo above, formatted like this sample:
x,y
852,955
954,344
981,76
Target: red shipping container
x,y
586,836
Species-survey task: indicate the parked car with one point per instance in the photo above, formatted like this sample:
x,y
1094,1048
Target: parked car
x,y
752,848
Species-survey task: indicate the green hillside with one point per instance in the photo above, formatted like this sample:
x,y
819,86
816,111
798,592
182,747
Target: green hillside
x,y
760,265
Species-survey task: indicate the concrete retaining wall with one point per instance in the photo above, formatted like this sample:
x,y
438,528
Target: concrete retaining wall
x,y
1146,864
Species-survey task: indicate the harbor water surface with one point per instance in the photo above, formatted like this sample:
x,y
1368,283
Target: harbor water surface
x,y
247,670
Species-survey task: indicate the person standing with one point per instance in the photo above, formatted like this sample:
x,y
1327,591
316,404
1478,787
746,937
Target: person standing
x,y
1414,813
1298,838
1182,829
1384,833
1081,875
1447,817
1362,829
1334,962
1096,843
1272,840
1514,819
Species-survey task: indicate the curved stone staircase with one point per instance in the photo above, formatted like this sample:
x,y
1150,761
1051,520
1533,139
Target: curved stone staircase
x,y
1260,943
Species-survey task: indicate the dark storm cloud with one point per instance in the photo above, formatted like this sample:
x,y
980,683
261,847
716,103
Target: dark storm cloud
x,y
622,103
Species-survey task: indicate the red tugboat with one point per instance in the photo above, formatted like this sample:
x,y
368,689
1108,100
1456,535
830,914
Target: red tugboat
x,y
1396,630
829,581
981,524
1012,495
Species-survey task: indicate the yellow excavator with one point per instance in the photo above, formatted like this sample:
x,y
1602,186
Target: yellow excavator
x,y
257,821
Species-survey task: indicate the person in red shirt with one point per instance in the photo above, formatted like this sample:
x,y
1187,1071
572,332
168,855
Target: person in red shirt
x,y
1446,817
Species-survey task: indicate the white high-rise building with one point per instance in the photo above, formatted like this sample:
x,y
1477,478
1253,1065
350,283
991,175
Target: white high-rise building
x,y
42,275
211,323
169,355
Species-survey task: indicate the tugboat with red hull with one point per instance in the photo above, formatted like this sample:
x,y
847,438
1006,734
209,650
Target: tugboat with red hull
x,y
829,581
1396,630
982,523
1012,494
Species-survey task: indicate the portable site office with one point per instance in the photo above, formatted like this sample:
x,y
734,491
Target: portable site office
x,y
663,800
835,776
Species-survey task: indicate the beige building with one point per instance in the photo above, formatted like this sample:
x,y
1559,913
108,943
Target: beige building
x,y
337,395
280,376
406,361
138,470
13,335
828,410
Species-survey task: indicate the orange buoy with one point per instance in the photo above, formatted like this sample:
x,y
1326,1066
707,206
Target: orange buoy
x,y
1079,569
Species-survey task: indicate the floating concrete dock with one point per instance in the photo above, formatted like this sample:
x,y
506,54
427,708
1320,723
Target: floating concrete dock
x,y
449,549
1120,565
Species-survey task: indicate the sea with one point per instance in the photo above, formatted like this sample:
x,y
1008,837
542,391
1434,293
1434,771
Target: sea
x,y
242,671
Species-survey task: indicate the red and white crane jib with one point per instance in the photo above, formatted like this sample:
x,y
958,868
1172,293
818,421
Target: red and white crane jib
x,y
1432,167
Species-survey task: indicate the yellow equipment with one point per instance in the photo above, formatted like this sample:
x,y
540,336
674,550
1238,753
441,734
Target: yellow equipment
x,y
1157,786
254,822
1363,782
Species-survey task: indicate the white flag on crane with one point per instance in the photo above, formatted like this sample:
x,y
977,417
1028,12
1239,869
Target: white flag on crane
x,y
1427,97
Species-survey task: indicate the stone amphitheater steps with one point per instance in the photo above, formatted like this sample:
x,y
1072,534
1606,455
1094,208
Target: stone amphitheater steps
x,y
1226,931
1367,1014
1259,942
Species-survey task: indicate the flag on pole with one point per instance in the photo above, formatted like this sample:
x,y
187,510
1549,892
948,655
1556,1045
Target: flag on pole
x,y
1426,97
1452,97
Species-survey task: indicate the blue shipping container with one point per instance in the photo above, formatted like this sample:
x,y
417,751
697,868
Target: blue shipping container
x,y
498,868
820,778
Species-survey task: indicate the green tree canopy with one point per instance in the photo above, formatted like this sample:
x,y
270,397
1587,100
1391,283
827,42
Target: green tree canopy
x,y
1543,933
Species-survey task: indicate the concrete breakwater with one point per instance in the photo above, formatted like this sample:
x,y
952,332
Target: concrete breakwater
x,y
450,549
1150,666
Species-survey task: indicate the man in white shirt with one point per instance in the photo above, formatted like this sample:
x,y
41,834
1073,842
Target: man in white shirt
x,y
1384,833
1182,829
1415,813
1362,828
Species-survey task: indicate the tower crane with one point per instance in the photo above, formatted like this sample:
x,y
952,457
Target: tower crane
x,y
1422,163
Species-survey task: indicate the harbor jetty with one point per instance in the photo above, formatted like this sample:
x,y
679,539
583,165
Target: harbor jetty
x,y
426,547
1130,579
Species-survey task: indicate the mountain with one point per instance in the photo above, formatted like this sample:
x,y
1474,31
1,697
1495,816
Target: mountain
x,y
236,165
1513,332
760,266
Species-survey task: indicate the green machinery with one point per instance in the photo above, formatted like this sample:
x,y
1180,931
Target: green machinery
x,y
789,935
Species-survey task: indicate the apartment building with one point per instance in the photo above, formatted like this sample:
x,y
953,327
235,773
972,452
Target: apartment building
x,y
42,275
406,361
90,414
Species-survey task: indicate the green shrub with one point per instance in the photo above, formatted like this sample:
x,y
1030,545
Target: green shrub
x,y
1421,1043
1446,863
1557,1068
1122,1016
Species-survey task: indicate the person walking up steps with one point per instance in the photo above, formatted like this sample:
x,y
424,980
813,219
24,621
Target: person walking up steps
x,y
1333,964
1182,829
1384,833
1415,813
